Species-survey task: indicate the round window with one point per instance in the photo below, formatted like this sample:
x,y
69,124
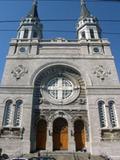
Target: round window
x,y
96,49
22,49
60,88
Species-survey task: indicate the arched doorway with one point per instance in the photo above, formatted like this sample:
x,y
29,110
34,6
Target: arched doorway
x,y
79,134
41,135
60,134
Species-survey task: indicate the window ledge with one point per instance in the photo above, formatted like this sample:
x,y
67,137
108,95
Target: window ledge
x,y
110,134
12,132
110,129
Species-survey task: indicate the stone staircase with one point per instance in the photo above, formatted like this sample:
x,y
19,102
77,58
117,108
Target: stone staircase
x,y
66,155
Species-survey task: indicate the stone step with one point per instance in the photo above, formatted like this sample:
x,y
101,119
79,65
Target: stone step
x,y
66,155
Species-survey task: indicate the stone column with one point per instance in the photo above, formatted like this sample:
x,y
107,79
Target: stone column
x,y
71,139
49,142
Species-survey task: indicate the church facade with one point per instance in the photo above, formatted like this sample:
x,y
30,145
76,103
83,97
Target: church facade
x,y
60,95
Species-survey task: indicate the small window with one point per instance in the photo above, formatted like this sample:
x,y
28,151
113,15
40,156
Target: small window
x,y
102,114
85,20
92,33
26,33
17,113
83,35
112,114
8,113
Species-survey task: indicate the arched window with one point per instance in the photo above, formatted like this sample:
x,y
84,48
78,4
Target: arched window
x,y
7,120
102,114
17,113
92,33
26,31
112,114
83,35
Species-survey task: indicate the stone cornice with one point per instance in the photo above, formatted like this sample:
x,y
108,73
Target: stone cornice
x,y
48,56
16,89
104,87
103,90
61,42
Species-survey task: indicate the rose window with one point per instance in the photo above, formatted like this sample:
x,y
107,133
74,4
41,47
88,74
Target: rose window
x,y
60,88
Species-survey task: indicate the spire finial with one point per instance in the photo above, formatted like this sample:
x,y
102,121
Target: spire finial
x,y
83,2
33,13
35,2
84,10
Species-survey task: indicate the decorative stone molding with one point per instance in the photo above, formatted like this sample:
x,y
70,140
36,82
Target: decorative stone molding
x,y
101,72
97,50
42,90
110,134
82,101
59,39
19,71
12,132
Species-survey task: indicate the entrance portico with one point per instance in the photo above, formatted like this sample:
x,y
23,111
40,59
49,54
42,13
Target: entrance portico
x,y
61,134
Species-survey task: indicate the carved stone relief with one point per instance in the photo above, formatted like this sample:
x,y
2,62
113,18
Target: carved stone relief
x,y
49,114
101,72
59,40
19,71
109,135
12,132
81,101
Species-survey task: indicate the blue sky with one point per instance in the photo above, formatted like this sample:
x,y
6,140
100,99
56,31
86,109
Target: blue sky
x,y
64,9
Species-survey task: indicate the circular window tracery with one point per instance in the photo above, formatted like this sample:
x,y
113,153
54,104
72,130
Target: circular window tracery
x,y
60,88
59,85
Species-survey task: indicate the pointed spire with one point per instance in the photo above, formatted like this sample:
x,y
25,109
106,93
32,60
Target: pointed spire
x,y
33,13
84,10
82,2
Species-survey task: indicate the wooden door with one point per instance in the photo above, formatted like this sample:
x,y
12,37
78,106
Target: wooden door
x,y
64,138
60,134
41,135
80,135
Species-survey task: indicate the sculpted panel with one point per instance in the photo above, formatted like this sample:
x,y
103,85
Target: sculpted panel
x,y
19,71
101,72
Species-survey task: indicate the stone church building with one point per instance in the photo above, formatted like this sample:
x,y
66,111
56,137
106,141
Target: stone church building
x,y
59,94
